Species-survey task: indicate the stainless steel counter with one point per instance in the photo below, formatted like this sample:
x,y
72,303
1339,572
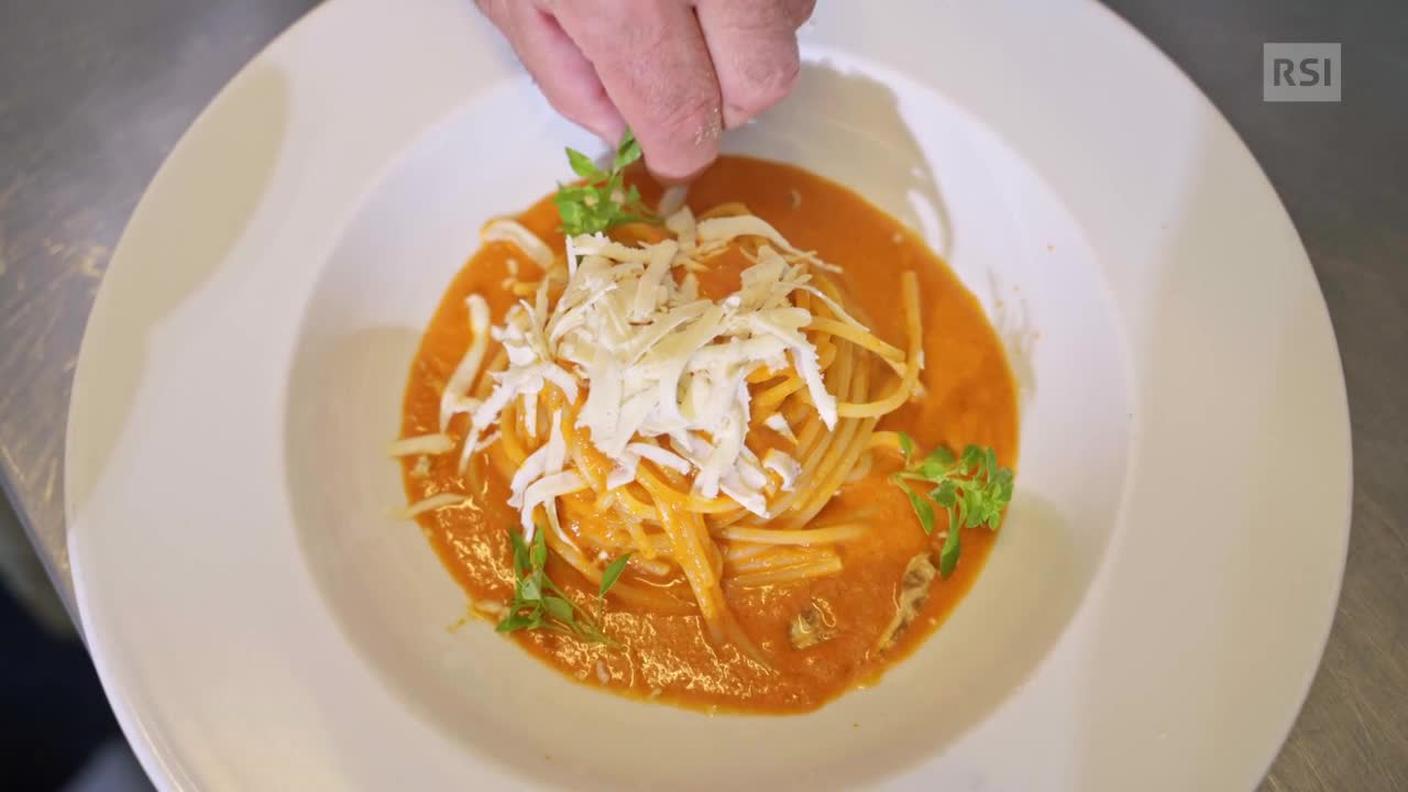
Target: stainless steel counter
x,y
93,95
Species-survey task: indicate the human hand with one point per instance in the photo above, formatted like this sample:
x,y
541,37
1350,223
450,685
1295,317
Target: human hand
x,y
678,72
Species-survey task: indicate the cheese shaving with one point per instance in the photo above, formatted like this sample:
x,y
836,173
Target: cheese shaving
x,y
423,444
453,399
435,503
515,233
786,468
778,423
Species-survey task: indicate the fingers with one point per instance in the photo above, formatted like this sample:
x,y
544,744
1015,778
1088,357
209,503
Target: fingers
x,y
754,50
564,75
655,66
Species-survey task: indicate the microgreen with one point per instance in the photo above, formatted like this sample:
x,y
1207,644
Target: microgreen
x,y
603,199
970,487
538,603
612,572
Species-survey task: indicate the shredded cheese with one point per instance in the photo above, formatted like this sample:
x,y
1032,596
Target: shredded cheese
x,y
453,399
434,503
423,444
665,371
514,233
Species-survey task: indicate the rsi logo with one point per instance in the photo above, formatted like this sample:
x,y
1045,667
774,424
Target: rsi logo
x,y
1311,70
1301,72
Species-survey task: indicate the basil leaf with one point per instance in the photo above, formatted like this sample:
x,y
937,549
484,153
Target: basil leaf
x,y
529,589
612,573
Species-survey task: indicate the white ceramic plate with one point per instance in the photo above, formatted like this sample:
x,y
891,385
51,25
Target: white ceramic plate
x,y
1155,607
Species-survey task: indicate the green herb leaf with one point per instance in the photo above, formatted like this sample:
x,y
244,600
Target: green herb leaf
x,y
530,589
972,457
970,487
539,554
613,572
513,622
906,446
941,456
520,554
533,607
948,556
973,508
921,507
627,151
933,470
602,201
559,609
583,166
945,494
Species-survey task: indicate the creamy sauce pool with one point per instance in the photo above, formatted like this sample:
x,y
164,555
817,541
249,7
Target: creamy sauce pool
x,y
969,397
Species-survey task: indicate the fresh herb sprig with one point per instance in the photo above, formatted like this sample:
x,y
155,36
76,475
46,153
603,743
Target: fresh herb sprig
x,y
970,487
538,603
603,199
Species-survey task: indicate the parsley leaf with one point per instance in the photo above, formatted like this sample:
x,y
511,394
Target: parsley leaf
x,y
970,487
603,200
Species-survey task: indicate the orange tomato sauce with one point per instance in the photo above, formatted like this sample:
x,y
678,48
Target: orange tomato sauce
x,y
969,397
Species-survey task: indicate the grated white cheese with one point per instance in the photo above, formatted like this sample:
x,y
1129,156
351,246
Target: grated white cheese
x,y
719,231
422,444
434,503
778,423
784,466
661,365
453,399
659,456
513,232
543,491
684,227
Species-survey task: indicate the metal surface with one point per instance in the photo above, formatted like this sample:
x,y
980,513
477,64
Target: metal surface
x,y
93,94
